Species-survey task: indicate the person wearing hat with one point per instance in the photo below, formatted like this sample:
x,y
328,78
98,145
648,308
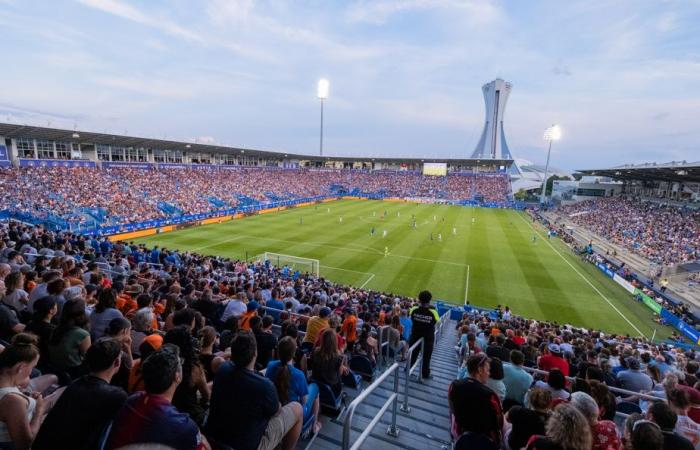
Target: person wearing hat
x,y
552,359
424,317
252,311
633,379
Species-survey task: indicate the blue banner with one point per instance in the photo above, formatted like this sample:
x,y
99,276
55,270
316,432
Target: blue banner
x,y
130,165
4,156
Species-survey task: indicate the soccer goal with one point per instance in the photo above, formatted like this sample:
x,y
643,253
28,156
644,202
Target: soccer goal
x,y
293,262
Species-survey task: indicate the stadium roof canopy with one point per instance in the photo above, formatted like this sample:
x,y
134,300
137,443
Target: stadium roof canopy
x,y
676,171
86,137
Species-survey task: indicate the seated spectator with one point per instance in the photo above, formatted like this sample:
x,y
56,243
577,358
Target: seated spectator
x,y
150,417
642,434
266,341
291,382
315,326
495,381
208,338
566,429
398,345
556,384
149,345
120,331
603,431
525,423
105,311
327,363
633,379
661,414
255,420
685,426
88,405
474,407
20,414
70,340
41,325
515,378
551,359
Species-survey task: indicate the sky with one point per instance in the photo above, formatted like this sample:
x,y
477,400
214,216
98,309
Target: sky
x,y
621,78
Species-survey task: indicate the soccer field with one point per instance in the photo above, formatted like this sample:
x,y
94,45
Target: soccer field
x,y
489,258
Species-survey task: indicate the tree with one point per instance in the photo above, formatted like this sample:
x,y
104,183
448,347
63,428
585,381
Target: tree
x,y
522,195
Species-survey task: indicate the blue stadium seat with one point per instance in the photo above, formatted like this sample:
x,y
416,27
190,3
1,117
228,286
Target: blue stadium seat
x,y
362,366
628,408
328,399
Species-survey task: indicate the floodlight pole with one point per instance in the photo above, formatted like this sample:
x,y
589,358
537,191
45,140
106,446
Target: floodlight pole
x,y
321,140
544,181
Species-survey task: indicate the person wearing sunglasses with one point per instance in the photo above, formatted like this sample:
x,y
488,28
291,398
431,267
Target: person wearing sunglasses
x,y
476,410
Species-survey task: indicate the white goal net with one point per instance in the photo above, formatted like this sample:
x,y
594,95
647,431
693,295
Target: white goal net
x,y
293,262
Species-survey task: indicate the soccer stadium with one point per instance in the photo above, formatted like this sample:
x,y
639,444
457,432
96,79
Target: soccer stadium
x,y
279,287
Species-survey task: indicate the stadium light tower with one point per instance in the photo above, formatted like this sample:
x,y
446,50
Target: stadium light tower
x,y
552,133
322,94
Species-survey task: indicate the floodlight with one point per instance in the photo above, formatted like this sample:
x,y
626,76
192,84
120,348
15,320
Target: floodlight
x,y
322,90
552,133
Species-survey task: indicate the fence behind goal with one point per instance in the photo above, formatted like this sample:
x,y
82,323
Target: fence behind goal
x,y
293,262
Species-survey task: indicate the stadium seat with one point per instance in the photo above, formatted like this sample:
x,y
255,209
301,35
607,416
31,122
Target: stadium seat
x,y
628,408
329,400
362,366
308,427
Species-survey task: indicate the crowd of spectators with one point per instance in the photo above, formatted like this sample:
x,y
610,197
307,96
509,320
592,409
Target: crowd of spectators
x,y
496,402
166,347
126,195
663,234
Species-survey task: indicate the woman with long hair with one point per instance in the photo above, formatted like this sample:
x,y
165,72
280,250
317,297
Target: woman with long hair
x,y
70,340
41,325
208,337
327,363
364,346
20,414
15,296
396,344
290,382
566,429
105,311
194,380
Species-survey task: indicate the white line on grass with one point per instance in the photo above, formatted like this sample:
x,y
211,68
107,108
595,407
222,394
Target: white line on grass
x,y
347,270
466,287
214,244
582,276
368,280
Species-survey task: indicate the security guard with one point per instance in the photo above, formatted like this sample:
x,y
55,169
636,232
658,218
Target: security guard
x,y
424,318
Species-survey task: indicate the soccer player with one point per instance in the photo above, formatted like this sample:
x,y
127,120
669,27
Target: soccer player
x,y
534,238
386,251
371,233
454,231
384,233
439,237
434,218
374,213
473,220
398,214
341,219
414,223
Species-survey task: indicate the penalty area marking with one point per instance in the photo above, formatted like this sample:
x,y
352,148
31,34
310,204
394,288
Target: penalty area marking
x,y
583,276
371,275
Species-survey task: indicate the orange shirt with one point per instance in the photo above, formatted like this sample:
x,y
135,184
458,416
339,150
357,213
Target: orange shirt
x,y
245,320
126,304
349,328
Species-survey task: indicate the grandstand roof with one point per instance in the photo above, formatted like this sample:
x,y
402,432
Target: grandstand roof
x,y
677,171
87,137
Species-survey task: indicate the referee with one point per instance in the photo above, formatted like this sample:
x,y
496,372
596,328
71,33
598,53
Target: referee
x,y
424,318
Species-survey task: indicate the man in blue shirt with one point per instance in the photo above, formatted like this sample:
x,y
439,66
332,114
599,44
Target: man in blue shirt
x,y
516,379
256,420
273,305
406,324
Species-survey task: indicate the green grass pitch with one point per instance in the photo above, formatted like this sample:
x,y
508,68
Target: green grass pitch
x,y
491,259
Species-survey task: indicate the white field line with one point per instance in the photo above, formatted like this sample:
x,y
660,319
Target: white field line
x,y
583,277
368,280
346,270
466,287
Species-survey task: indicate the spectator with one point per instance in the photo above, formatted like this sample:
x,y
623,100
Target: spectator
x,y
603,431
315,326
256,420
150,417
551,359
515,378
566,429
474,407
327,362
266,341
633,379
70,340
685,426
661,413
88,405
105,311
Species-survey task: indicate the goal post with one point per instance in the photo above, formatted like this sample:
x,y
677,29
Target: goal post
x,y
294,262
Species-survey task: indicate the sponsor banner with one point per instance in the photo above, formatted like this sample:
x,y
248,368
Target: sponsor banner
x,y
4,155
649,302
55,163
5,163
689,331
603,268
130,165
624,283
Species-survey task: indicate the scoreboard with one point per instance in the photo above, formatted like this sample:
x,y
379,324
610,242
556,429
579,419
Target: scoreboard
x,y
435,169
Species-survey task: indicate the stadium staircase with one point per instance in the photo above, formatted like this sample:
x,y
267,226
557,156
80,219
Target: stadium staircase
x,y
426,425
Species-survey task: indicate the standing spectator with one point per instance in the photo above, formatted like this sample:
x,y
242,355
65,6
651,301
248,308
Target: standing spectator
x,y
255,420
20,414
474,407
87,405
349,329
424,318
150,417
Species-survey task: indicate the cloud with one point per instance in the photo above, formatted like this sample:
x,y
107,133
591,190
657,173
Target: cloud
x,y
128,12
378,12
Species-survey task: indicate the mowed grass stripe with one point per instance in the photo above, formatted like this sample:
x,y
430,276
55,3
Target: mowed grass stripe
x,y
497,247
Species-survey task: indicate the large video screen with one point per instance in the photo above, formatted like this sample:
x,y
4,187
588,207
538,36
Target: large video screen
x,y
436,169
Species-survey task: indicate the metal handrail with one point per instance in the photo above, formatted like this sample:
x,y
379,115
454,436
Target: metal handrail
x,y
284,310
393,399
610,388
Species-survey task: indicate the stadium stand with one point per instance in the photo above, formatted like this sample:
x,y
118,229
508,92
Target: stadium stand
x,y
108,319
68,197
